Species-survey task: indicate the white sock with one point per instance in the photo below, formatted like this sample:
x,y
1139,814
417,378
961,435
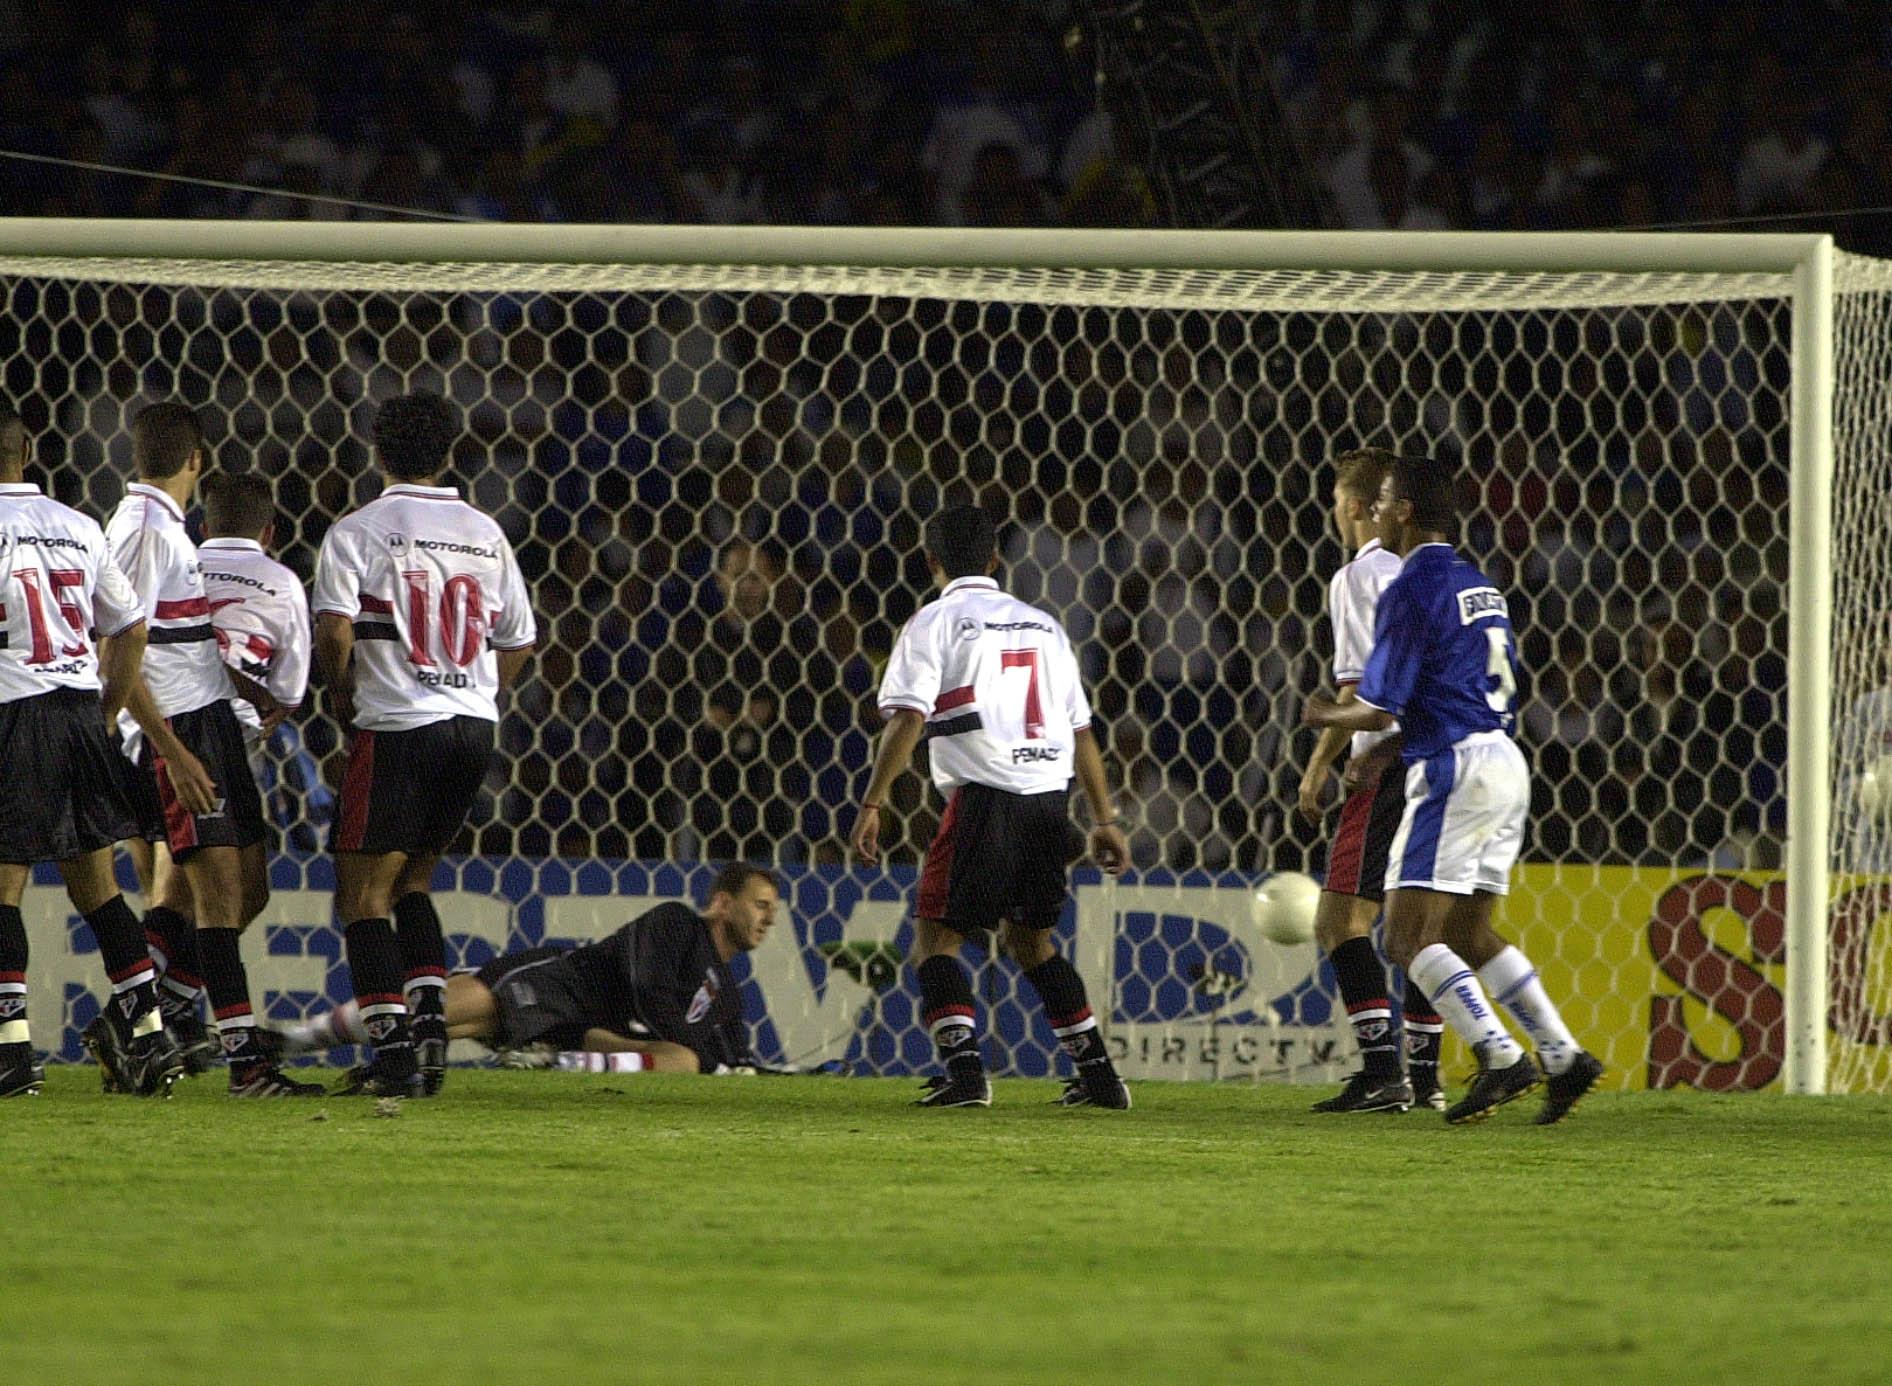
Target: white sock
x,y
1514,983
337,1027
1444,976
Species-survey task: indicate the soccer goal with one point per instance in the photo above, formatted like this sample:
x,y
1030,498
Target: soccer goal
x,y
714,447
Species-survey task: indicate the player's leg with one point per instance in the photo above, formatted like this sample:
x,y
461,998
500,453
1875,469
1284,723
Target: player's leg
x,y
947,1011
255,869
364,883
948,902
20,1075
1416,931
1504,969
145,1059
1043,844
424,966
215,874
1343,927
1455,805
208,850
472,1012
171,935
1061,993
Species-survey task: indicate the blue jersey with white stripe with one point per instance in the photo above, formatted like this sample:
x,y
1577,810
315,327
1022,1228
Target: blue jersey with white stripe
x,y
1444,658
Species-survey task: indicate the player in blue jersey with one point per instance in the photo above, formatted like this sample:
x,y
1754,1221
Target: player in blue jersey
x,y
1444,664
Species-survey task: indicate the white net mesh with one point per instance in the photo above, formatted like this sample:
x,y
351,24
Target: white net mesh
x,y
715,478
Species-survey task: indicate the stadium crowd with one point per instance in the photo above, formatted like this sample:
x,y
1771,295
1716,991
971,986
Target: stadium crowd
x,y
717,499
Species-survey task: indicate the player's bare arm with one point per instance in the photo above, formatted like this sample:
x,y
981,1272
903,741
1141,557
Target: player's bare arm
x,y
511,664
334,654
195,789
120,657
1109,850
1327,750
259,697
1353,716
895,753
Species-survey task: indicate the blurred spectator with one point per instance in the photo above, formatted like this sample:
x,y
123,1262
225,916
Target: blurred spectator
x,y
1778,165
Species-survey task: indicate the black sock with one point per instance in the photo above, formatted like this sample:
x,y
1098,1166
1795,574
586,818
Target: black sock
x,y
1061,991
172,940
947,1013
127,963
229,987
423,954
374,960
13,988
1424,1031
1370,1010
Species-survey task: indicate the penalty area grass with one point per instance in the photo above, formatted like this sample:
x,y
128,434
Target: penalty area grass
x,y
551,1227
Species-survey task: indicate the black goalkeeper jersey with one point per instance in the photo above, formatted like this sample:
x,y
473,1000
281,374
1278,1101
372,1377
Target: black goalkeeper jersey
x,y
660,976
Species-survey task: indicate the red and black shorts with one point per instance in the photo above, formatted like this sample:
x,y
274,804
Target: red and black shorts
x,y
1369,819
212,734
411,791
998,856
64,790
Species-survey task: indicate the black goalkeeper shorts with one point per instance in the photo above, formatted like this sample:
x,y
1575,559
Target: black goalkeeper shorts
x,y
540,997
999,856
64,788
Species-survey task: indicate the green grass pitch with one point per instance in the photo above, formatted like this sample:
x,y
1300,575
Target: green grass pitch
x,y
548,1227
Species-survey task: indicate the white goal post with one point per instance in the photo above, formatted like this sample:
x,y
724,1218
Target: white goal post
x,y
1416,278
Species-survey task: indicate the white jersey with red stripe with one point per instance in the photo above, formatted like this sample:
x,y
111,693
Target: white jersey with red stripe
x,y
261,615
57,585
1353,601
433,589
999,687
151,546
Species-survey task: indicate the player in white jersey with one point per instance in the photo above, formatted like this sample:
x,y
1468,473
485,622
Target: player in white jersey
x,y
201,800
257,606
260,617
993,686
1369,817
65,792
422,619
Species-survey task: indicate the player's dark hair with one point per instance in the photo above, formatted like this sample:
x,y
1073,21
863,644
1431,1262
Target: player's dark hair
x,y
732,878
12,433
237,505
1360,471
1429,485
414,434
963,539
163,437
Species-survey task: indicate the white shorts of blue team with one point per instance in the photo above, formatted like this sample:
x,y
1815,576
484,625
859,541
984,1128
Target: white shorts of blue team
x,y
1464,821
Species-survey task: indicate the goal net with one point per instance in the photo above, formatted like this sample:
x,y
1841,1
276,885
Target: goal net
x,y
715,476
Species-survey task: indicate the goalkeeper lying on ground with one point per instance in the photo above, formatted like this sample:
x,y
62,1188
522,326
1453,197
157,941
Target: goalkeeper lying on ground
x,y
659,988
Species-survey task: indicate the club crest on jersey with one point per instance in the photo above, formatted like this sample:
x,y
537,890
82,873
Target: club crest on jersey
x,y
967,629
705,998
397,543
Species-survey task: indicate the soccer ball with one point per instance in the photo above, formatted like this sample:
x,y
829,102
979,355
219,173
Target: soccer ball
x,y
1874,790
1284,904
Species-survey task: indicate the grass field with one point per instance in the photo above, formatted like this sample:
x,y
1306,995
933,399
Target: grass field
x,y
596,1228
